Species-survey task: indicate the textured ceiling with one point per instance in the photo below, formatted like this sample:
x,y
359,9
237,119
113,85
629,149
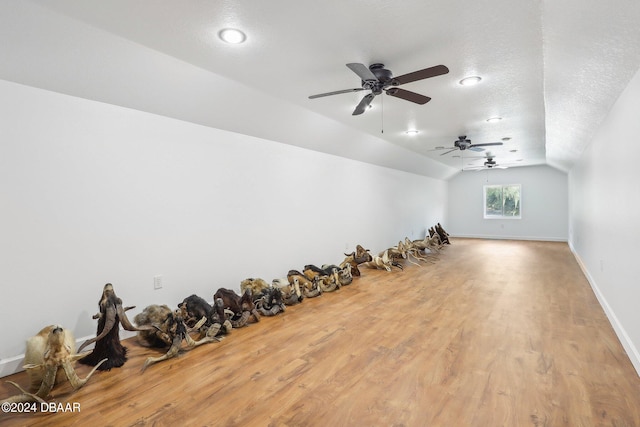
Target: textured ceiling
x,y
550,69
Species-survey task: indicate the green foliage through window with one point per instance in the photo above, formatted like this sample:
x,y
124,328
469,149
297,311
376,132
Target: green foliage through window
x,y
502,201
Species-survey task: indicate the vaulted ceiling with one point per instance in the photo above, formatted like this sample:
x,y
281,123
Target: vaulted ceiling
x,y
550,70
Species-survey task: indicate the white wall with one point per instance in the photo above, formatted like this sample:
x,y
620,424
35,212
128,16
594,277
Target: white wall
x,y
544,205
603,216
95,193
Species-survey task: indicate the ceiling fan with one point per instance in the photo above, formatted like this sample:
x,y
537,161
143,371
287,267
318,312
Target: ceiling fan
x,y
462,143
489,163
377,79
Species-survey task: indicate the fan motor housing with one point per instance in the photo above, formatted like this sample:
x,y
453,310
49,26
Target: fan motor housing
x,y
462,143
383,75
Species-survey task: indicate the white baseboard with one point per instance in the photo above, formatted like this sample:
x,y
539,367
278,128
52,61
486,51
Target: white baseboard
x,y
13,365
625,340
497,237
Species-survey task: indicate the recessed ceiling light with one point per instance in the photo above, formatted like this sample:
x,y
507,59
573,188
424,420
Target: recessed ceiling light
x,y
494,119
470,81
412,132
513,151
519,160
231,35
506,138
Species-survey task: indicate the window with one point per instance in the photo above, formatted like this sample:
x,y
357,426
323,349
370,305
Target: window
x,y
502,201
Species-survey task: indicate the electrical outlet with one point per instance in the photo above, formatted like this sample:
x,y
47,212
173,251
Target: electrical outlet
x,y
157,282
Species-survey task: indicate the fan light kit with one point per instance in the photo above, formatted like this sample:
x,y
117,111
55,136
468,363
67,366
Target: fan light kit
x,y
494,119
470,81
377,79
232,36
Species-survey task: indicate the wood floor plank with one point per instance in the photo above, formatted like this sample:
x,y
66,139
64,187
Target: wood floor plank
x,y
494,333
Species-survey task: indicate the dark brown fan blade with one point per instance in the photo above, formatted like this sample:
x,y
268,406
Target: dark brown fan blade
x,y
362,106
486,144
362,71
438,70
408,95
337,92
447,152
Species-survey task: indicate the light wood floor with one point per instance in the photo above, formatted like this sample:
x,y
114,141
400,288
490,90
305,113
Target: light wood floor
x,y
496,333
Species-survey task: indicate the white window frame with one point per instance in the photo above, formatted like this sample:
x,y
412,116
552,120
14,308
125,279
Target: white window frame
x,y
484,202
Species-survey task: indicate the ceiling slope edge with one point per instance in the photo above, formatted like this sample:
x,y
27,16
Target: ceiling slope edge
x,y
50,51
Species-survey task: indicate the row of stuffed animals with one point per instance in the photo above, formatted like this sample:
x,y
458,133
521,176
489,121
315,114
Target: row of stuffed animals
x,y
161,327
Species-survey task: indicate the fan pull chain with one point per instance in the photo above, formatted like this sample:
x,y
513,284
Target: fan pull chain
x,y
382,114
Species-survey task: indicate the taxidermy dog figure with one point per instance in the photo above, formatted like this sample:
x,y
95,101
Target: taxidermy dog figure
x,y
444,236
168,330
107,339
256,286
241,307
309,288
359,256
195,308
269,302
51,349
